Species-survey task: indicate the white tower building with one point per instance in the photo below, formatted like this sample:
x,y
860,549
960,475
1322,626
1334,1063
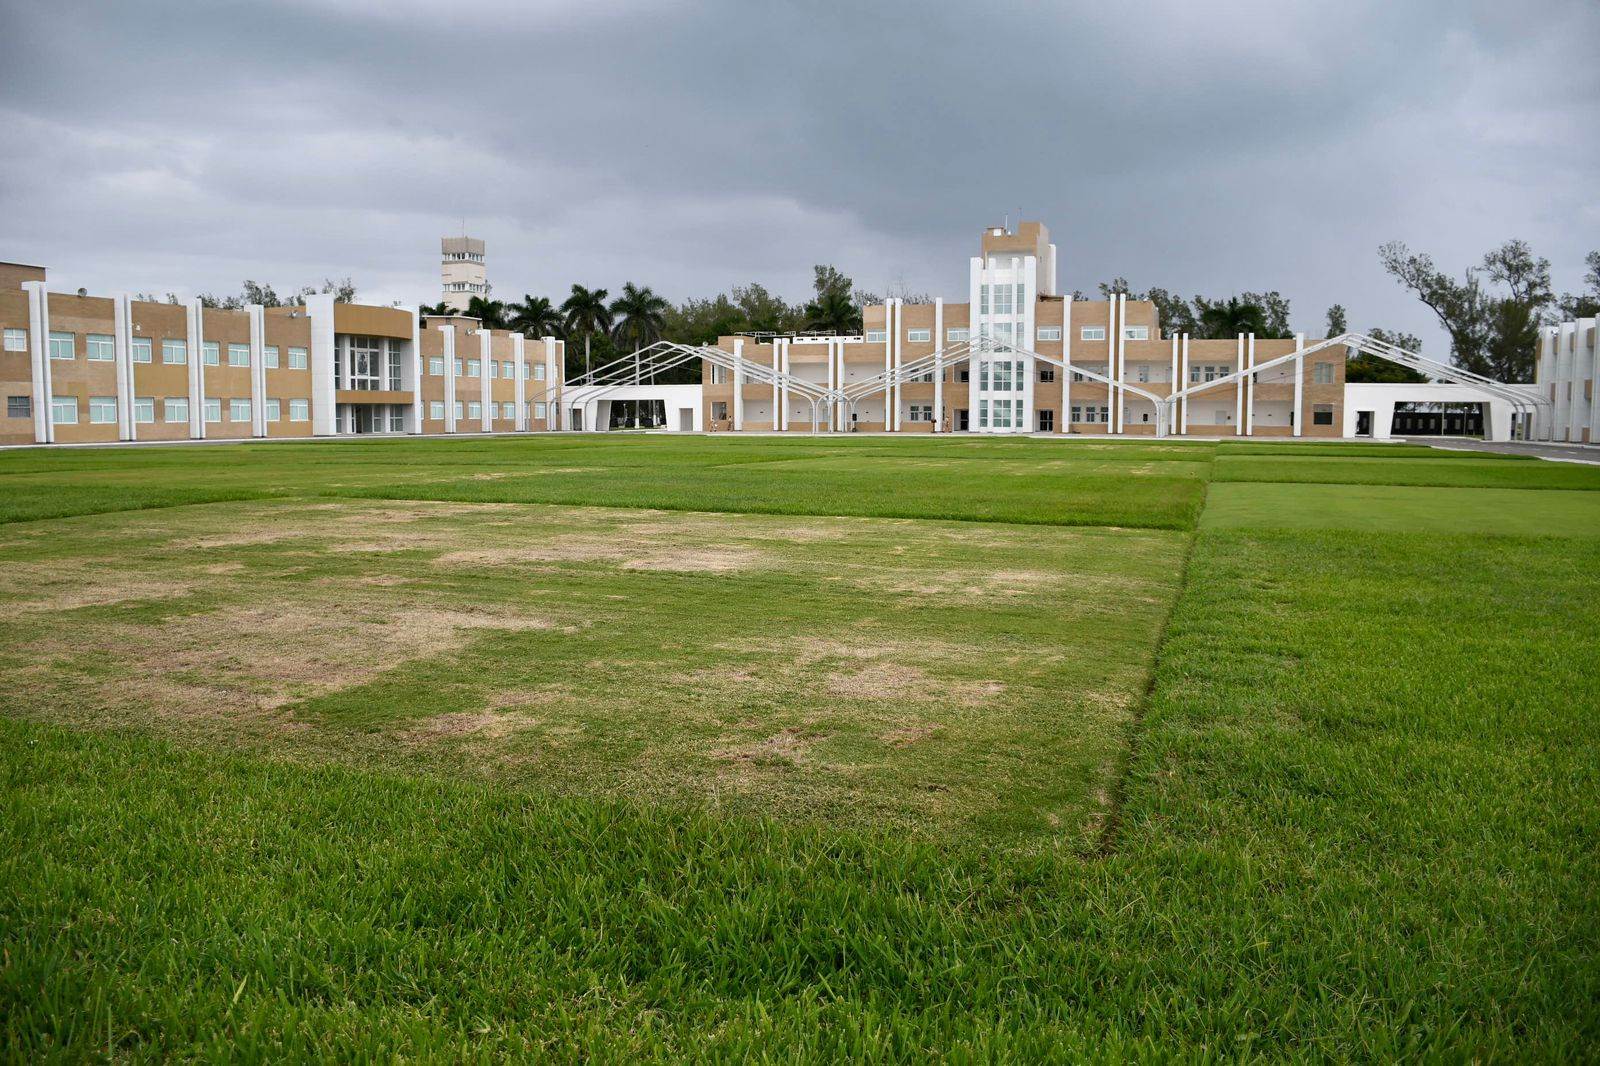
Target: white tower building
x,y
462,271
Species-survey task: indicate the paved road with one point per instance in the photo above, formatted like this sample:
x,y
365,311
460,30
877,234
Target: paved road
x,y
1571,453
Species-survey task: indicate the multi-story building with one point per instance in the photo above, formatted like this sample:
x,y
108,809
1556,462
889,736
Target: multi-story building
x,y
1565,372
102,369
462,272
1112,353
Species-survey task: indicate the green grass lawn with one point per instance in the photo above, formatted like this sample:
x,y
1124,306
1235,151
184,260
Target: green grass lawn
x,y
796,748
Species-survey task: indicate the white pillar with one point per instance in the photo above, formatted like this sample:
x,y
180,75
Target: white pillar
x,y
938,372
44,427
1119,353
324,352
485,388
1066,359
197,369
777,397
519,388
552,399
449,338
1299,383
122,337
417,410
1024,335
891,395
1172,413
783,393
258,369
1238,387
1250,387
738,383
1183,380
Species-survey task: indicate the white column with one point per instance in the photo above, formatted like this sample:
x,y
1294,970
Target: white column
x,y
891,359
1172,414
1299,383
1119,315
938,374
44,428
833,366
783,397
977,323
258,369
519,375
1238,387
197,368
485,389
777,397
1024,336
449,377
324,402
1066,357
738,383
1183,376
1250,387
418,412
122,336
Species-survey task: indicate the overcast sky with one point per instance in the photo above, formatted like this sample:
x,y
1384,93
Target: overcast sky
x,y
692,146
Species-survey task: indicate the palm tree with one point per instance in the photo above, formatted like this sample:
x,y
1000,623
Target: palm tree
x,y
1219,321
642,315
442,309
492,313
535,316
833,311
587,314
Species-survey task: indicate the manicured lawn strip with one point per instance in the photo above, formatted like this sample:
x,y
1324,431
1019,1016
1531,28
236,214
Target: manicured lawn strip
x,y
1402,509
1328,850
1354,449
1518,473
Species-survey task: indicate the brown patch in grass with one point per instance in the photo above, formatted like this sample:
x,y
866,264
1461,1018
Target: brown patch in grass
x,y
486,724
788,747
885,680
720,559
903,736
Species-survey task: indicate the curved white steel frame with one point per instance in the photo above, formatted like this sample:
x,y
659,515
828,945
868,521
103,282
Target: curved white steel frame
x,y
1522,402
630,369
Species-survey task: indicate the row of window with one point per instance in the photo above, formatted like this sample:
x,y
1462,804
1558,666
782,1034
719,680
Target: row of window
x,y
472,368
102,348
103,409
472,409
1043,333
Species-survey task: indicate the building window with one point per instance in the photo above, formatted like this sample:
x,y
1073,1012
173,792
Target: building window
x,y
1322,374
955,333
1048,333
143,350
539,410
459,368
102,348
64,410
174,353
1047,374
473,368
274,410
876,336
19,406
16,340
238,410
719,411
436,366
436,410
211,353
538,371
1047,421
1143,372
144,409
299,410
983,414
475,410
919,336
238,355
922,412
213,408
297,360
269,357
1322,414
102,410
1135,333
175,409
494,368
1092,333
964,374
63,346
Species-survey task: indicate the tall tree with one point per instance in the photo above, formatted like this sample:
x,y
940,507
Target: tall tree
x,y
1222,319
836,305
1338,321
1361,367
492,313
1490,334
587,314
640,317
763,312
535,316
1583,304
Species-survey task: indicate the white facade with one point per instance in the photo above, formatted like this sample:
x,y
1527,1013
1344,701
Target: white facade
x,y
1376,401
589,408
1565,373
462,272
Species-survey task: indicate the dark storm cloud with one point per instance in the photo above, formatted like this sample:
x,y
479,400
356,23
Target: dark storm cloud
x,y
1208,148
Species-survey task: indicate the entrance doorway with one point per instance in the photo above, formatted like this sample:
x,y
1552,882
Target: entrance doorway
x,y
962,421
1363,423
